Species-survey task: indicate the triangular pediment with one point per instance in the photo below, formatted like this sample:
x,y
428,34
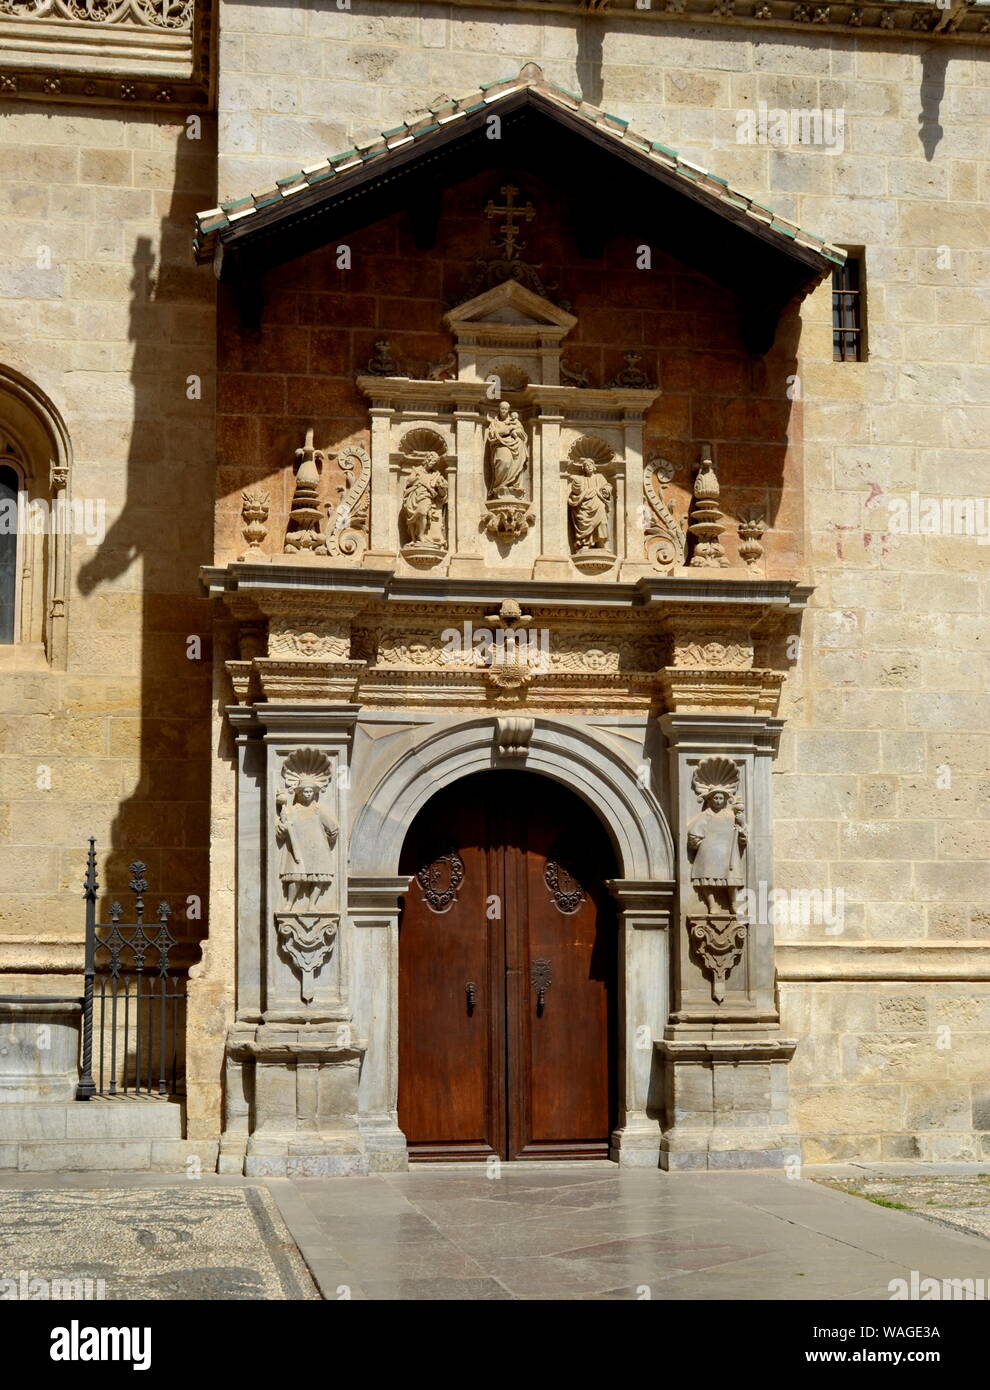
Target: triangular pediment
x,y
510,303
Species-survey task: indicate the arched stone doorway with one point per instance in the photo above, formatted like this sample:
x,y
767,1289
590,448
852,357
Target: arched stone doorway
x,y
508,980
395,773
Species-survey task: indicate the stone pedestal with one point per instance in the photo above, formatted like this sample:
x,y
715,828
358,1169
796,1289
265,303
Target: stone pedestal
x,y
300,1087
725,1103
39,1049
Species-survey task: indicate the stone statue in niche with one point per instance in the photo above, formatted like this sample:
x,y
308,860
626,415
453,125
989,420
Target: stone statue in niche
x,y
507,514
590,503
716,837
509,453
305,831
424,499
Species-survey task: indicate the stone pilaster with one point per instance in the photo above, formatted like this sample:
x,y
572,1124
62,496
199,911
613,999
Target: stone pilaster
x,y
644,919
724,1063
373,912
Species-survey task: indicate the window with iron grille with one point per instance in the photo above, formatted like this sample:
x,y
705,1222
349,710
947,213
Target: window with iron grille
x,y
848,318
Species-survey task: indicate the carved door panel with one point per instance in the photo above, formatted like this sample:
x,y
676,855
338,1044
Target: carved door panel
x,y
507,959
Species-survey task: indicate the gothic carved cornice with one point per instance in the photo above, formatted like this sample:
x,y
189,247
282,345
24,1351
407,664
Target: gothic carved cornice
x,y
960,19
108,52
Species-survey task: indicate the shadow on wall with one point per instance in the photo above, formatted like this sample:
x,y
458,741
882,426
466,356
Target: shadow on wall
x,y
154,547
930,132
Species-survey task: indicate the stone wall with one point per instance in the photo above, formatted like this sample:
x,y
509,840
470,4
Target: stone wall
x,y
104,312
881,781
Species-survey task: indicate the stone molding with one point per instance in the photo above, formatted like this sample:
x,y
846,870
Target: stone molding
x,y
822,961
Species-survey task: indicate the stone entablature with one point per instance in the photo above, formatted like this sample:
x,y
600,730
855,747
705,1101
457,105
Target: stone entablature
x,y
383,640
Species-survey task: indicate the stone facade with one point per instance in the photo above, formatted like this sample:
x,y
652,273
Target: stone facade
x,y
878,745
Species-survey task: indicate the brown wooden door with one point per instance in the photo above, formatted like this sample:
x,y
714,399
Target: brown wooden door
x,y
507,900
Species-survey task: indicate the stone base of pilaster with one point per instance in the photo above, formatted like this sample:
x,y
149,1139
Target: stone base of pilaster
x,y
726,1103
636,1145
292,1102
303,1155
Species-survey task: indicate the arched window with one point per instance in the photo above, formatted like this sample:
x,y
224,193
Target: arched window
x,y
9,488
35,462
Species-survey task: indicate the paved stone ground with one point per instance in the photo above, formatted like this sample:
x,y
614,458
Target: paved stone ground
x,y
577,1233
540,1232
957,1199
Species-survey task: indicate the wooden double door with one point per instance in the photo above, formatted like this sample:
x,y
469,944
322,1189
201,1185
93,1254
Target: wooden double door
x,y
507,974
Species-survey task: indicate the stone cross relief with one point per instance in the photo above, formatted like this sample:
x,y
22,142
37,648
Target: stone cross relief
x,y
716,843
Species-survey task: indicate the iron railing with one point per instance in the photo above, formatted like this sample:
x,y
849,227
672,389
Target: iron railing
x,y
132,1001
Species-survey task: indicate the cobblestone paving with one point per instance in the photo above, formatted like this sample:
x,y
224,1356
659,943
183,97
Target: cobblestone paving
x,y
962,1202
190,1242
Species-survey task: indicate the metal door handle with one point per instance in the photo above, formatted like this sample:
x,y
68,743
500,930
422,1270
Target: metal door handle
x,y
539,978
471,990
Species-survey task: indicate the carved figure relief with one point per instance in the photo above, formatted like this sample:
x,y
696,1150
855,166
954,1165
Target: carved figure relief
x,y
507,514
305,831
716,841
424,503
321,639
508,453
716,837
590,503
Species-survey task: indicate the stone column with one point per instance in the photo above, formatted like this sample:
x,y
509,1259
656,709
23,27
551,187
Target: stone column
x,y
644,918
373,911
724,1061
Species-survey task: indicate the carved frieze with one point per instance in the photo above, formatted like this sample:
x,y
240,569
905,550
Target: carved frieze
x,y
321,639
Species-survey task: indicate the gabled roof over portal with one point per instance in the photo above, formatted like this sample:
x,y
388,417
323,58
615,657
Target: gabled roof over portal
x,y
618,178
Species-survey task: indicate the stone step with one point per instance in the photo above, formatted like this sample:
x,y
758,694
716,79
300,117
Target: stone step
x,y
116,1156
103,1119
